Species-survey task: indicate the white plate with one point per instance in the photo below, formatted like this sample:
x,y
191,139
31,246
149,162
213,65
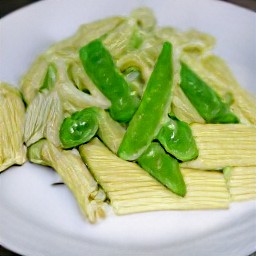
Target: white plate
x,y
39,219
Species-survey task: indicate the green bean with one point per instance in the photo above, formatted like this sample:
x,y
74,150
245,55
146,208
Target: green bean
x,y
206,101
155,103
163,167
79,128
177,139
99,66
49,79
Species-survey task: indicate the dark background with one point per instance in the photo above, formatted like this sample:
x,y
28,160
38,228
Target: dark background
x,y
7,6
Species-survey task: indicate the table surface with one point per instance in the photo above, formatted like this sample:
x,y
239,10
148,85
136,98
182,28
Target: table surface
x,y
8,6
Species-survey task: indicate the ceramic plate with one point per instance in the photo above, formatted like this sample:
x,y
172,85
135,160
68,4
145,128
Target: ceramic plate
x,y
37,218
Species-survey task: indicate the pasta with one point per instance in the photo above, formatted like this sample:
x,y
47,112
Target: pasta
x,y
140,192
235,146
12,119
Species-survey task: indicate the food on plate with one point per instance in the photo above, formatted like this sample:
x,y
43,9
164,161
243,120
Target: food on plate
x,y
134,117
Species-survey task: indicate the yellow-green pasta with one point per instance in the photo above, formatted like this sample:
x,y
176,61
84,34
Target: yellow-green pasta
x,y
130,189
74,174
241,182
222,145
12,119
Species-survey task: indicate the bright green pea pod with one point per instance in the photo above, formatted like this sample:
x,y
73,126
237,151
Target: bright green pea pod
x,y
79,128
177,139
154,106
163,167
206,101
99,66
49,79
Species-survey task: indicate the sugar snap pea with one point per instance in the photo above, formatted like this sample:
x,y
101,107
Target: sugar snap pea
x,y
177,139
100,67
154,105
163,167
79,128
207,102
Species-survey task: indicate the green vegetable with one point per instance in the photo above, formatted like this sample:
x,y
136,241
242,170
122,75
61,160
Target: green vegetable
x,y
79,128
207,102
163,167
177,139
155,103
100,67
49,79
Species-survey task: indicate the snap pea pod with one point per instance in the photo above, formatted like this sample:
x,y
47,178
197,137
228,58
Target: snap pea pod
x,y
100,67
177,139
154,105
49,79
79,128
206,101
163,167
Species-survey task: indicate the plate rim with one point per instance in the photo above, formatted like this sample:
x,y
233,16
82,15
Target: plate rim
x,y
24,9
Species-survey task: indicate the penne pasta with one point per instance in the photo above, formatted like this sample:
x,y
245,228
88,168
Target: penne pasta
x,y
241,182
131,189
74,174
12,119
222,145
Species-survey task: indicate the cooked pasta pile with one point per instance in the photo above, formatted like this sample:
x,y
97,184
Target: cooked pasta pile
x,y
60,87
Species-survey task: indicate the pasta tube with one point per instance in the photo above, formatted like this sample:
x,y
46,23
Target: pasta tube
x,y
33,79
74,174
110,131
241,182
131,189
43,119
222,145
183,109
12,117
